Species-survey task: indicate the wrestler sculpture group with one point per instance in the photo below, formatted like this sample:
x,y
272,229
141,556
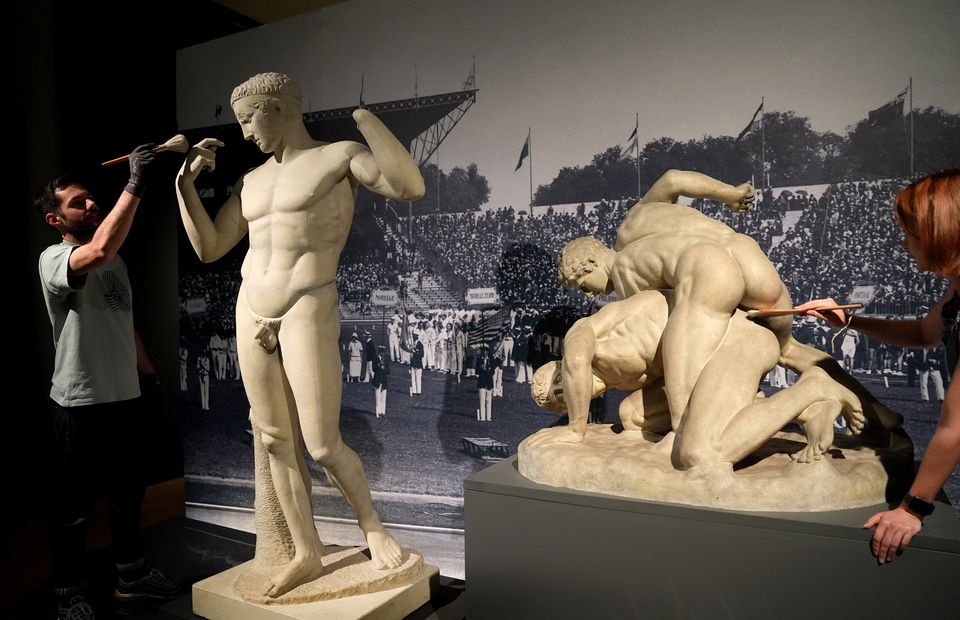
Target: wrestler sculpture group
x,y
678,341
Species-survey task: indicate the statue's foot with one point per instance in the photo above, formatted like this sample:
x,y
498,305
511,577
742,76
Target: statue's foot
x,y
817,422
851,407
384,550
298,572
817,419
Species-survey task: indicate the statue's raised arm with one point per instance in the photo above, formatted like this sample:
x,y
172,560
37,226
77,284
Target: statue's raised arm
x,y
675,183
387,167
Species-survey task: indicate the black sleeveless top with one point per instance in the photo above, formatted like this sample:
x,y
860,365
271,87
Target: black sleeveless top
x,y
950,331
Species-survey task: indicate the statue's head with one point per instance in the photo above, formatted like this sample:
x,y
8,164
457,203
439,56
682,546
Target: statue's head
x,y
547,388
581,266
274,84
264,105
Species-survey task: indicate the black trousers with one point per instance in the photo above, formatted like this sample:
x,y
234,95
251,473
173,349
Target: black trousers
x,y
98,450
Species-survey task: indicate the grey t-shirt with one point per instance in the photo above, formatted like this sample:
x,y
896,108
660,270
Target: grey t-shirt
x,y
92,320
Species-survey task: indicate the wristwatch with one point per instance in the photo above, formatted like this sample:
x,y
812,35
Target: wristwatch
x,y
917,505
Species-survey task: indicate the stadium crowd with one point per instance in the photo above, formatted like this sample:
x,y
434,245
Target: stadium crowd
x,y
842,238
850,238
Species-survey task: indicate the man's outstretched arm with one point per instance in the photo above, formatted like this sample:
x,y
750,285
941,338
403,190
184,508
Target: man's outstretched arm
x,y
112,232
676,183
387,168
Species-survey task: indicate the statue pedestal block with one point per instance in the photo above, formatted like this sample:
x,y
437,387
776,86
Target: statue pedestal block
x,y
539,551
214,598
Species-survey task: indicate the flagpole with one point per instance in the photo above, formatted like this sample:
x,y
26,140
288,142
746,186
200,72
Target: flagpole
x,y
409,253
530,163
636,146
911,125
763,148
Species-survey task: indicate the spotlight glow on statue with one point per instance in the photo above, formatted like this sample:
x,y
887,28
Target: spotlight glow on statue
x,y
297,208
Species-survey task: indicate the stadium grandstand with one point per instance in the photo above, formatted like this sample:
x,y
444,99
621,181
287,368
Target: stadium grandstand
x,y
835,239
824,240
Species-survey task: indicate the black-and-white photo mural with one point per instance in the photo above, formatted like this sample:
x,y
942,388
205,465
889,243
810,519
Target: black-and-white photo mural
x,y
535,123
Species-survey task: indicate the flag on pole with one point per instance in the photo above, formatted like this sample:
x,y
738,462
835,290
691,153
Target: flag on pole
x,y
889,111
406,329
755,123
489,328
630,145
524,152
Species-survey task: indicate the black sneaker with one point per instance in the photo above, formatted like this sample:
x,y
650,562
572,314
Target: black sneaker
x,y
76,608
150,590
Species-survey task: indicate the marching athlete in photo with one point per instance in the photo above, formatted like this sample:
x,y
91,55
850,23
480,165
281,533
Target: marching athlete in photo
x,y
203,378
416,366
355,351
381,368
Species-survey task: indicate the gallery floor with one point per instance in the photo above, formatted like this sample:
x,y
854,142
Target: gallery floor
x,y
190,550
440,546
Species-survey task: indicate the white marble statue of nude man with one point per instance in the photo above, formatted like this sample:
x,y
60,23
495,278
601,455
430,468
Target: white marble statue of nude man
x,y
620,347
713,270
297,208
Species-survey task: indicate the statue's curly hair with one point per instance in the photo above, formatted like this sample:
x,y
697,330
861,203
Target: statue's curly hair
x,y
540,388
578,258
276,84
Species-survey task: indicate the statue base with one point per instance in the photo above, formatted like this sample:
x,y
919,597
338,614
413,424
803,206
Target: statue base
x,y
637,464
534,551
353,589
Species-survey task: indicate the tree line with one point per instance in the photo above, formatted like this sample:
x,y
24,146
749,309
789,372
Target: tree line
x,y
794,154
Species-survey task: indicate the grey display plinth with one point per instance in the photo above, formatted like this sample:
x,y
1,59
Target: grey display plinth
x,y
534,551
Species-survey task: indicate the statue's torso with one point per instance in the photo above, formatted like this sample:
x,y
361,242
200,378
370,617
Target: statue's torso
x,y
647,219
298,214
628,348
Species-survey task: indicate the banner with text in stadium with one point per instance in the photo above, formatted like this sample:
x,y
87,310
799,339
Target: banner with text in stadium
x,y
480,296
384,297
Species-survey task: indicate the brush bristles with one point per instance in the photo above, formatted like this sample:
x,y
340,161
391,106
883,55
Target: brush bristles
x,y
177,144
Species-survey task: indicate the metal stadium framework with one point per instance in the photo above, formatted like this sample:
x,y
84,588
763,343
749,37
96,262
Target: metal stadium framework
x,y
422,123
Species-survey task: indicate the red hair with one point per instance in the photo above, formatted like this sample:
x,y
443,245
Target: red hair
x,y
929,211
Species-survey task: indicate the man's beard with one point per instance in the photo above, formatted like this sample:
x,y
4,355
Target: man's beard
x,y
83,229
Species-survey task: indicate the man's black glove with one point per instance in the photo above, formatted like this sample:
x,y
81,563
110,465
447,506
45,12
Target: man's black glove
x,y
140,160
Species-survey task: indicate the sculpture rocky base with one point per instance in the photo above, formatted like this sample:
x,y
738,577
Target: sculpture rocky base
x,y
353,588
636,464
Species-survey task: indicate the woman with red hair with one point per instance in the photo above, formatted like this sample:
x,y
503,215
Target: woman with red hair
x,y
928,212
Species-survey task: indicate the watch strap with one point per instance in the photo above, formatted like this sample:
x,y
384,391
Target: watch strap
x,y
917,506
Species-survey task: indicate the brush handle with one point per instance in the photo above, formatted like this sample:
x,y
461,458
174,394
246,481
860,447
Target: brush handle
x,y
753,314
117,160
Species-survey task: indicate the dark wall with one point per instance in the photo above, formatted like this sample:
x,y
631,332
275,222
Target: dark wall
x,y
86,92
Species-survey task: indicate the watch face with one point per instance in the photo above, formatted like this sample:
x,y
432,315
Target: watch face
x,y
920,506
